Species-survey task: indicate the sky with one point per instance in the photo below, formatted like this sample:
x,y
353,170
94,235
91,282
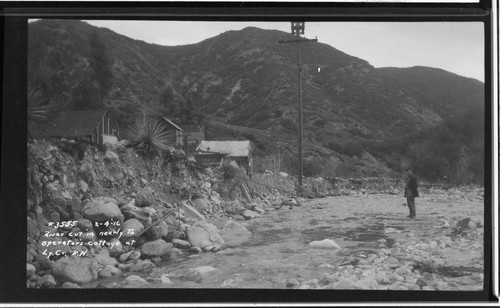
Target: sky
x,y
457,47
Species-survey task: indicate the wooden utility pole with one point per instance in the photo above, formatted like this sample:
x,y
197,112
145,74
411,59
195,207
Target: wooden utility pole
x,y
297,30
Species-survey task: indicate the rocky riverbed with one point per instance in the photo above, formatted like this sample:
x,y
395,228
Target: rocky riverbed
x,y
373,245
111,221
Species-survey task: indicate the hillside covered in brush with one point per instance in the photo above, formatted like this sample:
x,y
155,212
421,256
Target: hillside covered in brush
x,y
358,120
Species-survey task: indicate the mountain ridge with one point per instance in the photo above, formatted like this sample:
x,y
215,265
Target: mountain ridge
x,y
246,78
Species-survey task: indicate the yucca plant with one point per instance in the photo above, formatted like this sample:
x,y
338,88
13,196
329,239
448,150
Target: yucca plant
x,y
38,107
149,137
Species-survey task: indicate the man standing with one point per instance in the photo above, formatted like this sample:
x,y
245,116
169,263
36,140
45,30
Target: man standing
x,y
411,191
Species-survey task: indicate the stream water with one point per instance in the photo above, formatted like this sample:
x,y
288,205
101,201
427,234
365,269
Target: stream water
x,y
278,249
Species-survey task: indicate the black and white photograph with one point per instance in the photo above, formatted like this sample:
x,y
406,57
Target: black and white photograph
x,y
289,154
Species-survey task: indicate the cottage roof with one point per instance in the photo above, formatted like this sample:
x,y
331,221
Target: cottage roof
x,y
69,124
230,148
173,124
191,128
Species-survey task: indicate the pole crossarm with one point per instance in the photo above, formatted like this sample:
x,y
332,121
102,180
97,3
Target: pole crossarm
x,y
302,40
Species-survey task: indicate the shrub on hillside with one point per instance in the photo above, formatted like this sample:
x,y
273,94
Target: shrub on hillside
x,y
344,170
312,168
335,146
149,138
353,148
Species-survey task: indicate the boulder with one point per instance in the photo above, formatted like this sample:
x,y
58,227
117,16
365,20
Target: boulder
x,y
203,270
142,266
131,229
368,283
157,248
344,283
67,195
38,210
163,229
102,210
142,214
30,269
201,204
111,157
234,226
258,209
131,255
113,170
234,234
145,197
46,281
292,283
403,271
195,250
63,199
155,232
248,214
195,274
215,199
181,244
75,208
106,200
43,261
165,280
85,225
32,229
83,186
324,244
234,208
133,281
204,234
115,248
75,269
109,271
55,217
104,259
30,254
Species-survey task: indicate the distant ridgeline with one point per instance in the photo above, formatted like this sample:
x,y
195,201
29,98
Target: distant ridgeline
x,y
359,120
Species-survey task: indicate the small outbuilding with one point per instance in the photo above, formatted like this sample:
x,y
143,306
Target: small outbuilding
x,y
211,153
174,132
94,126
194,134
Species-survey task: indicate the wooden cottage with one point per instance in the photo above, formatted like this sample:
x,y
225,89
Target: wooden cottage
x,y
91,125
174,132
211,153
193,133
